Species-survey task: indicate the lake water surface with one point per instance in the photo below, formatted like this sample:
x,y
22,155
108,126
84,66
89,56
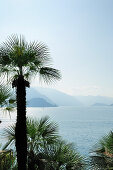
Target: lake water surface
x,y
83,126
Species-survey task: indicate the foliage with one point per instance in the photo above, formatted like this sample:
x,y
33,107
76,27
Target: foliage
x,y
46,149
6,96
7,160
63,156
17,57
104,153
7,99
20,60
7,102
9,135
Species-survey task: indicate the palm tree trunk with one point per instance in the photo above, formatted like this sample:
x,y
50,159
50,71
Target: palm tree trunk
x,y
20,130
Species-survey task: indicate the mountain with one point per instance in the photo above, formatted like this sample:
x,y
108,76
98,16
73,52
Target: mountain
x,y
91,100
39,102
58,97
33,93
100,104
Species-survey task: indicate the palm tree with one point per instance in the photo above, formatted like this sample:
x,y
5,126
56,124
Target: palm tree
x,y
39,133
22,60
62,156
46,149
103,157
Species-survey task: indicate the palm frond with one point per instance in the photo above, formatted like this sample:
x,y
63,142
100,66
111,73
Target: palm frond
x,y
49,75
5,94
103,159
42,129
61,155
7,98
9,131
9,134
19,57
56,154
105,143
41,52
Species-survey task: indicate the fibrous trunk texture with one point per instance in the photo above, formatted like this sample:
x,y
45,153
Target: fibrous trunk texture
x,y
20,130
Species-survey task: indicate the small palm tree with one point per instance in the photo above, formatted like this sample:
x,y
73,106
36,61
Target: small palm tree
x,y
46,149
22,60
62,156
39,133
103,157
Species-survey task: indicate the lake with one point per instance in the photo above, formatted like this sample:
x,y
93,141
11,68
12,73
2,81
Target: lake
x,y
83,126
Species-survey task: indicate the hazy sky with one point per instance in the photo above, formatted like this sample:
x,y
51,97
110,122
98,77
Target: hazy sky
x,y
79,34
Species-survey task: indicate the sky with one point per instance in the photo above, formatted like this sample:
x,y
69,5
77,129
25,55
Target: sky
x,y
79,34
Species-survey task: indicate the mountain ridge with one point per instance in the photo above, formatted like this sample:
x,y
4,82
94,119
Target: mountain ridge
x,y
39,102
59,98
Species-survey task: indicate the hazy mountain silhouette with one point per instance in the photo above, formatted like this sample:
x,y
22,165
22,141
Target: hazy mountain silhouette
x,y
57,97
91,100
33,93
100,104
39,102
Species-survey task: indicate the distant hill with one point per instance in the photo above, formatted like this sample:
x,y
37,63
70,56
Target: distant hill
x,y
39,102
58,97
91,100
100,104
33,93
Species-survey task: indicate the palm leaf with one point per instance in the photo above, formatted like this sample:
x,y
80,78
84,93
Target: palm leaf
x,y
19,57
9,134
5,94
49,74
55,154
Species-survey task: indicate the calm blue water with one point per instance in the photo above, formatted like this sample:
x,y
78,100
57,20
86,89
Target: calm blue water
x,y
81,125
